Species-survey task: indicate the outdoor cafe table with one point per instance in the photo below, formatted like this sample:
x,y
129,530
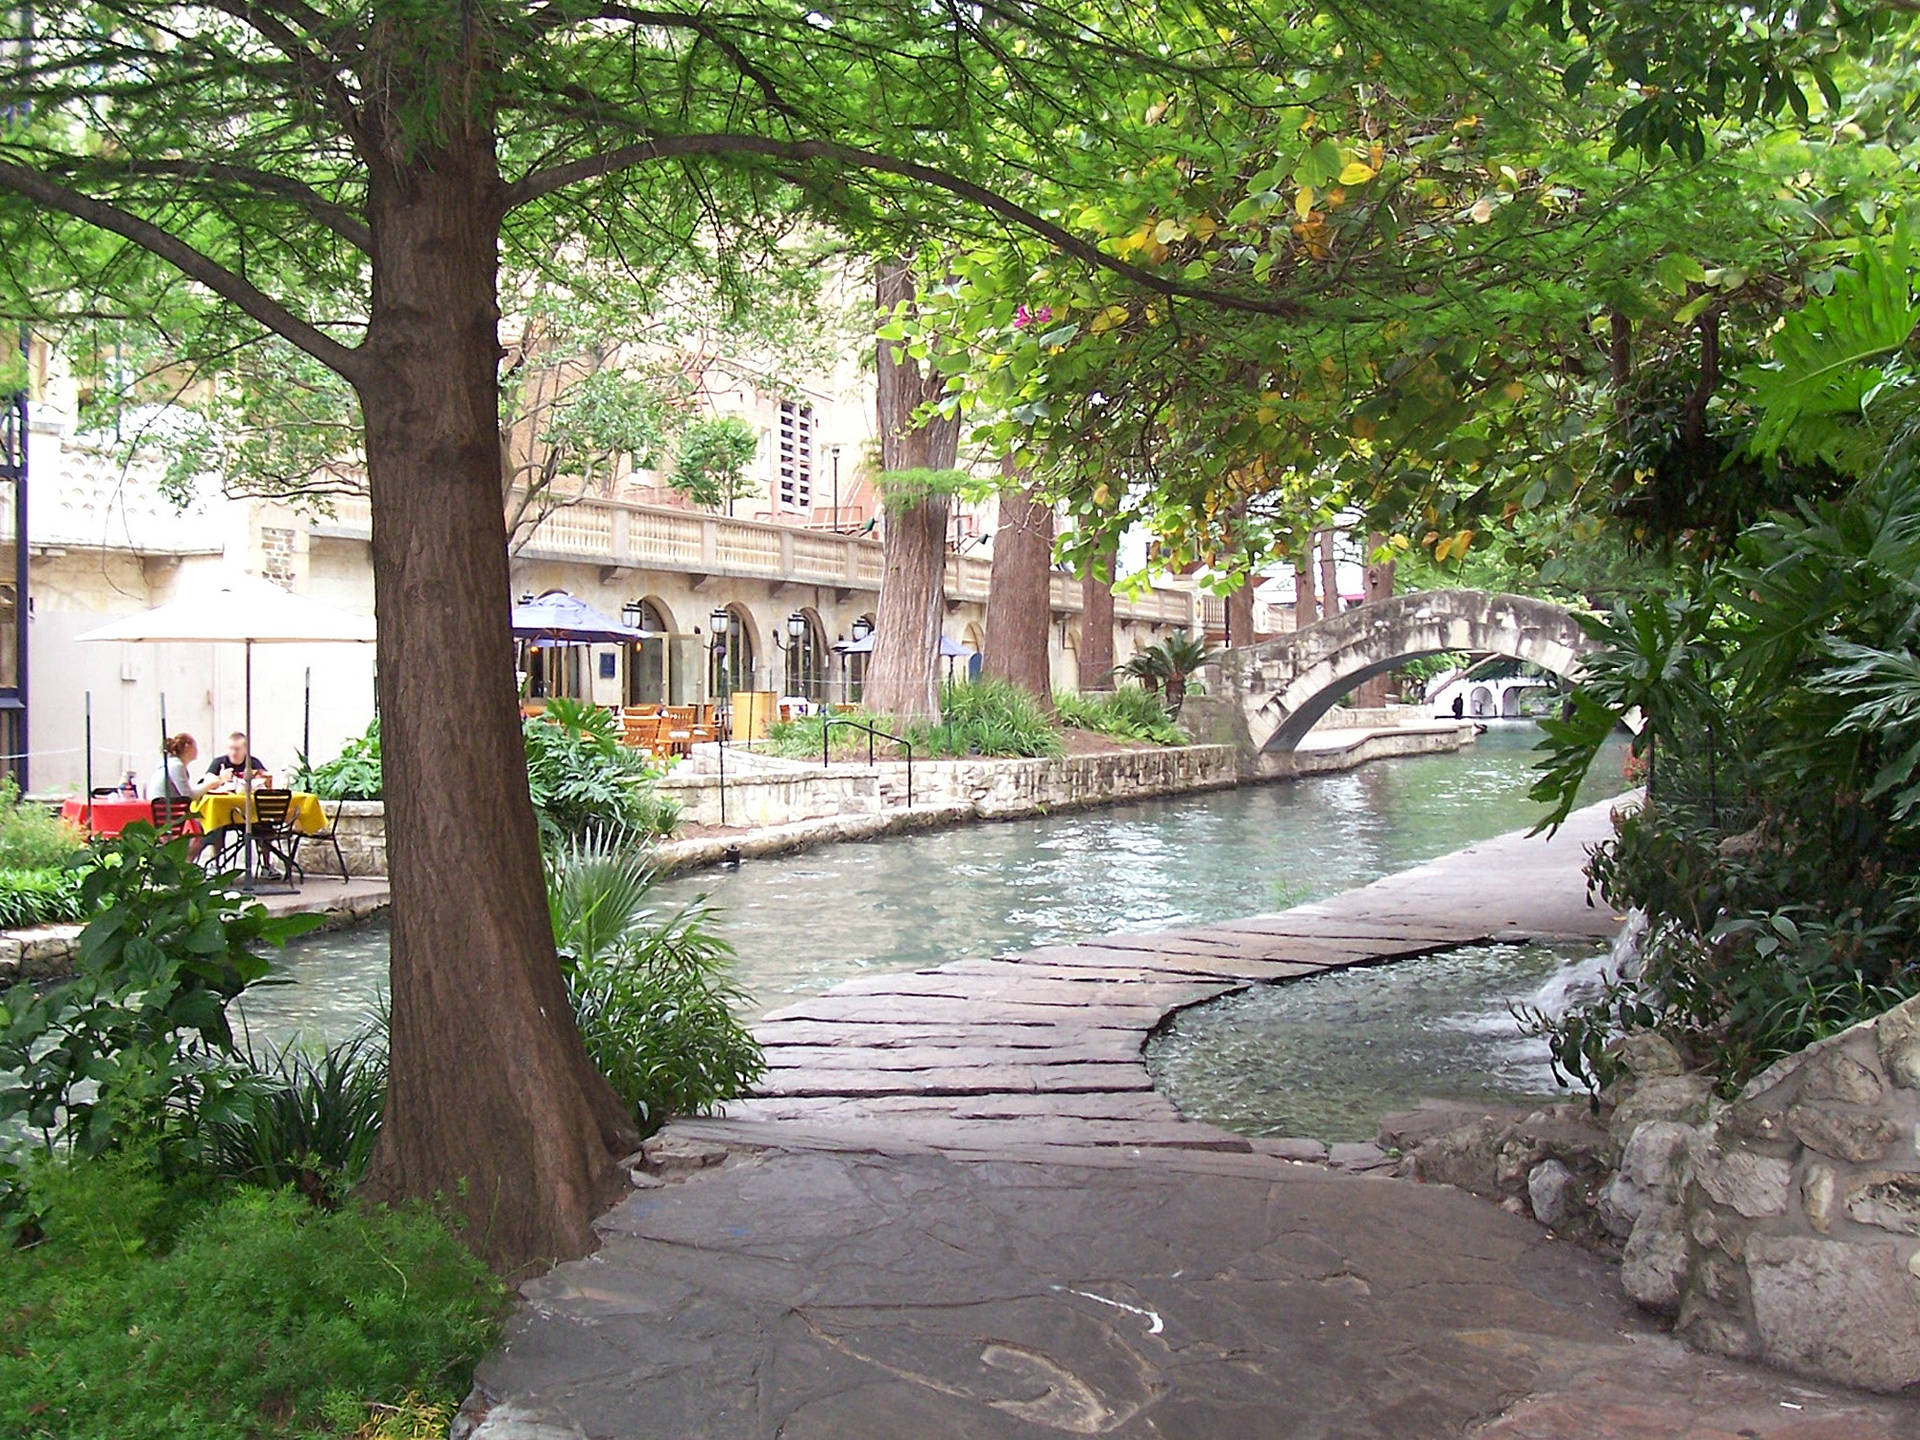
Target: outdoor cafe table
x,y
105,814
224,808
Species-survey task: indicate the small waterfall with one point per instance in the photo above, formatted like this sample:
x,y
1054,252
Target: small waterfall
x,y
1586,979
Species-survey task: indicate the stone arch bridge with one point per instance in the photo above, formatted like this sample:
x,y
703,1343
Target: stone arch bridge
x,y
1265,697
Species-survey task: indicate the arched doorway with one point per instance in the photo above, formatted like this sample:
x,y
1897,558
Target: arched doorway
x,y
806,658
730,665
649,661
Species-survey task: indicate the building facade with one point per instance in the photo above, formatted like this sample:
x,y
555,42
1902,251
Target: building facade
x,y
792,584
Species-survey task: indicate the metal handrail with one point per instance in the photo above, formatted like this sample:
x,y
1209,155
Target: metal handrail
x,y
873,732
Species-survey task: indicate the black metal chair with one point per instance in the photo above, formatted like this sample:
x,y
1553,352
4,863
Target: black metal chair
x,y
274,835
331,835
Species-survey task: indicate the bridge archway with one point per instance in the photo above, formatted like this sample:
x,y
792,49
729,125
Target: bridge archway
x,y
1282,686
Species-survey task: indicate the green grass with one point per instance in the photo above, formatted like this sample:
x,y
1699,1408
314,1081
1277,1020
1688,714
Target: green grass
x,y
189,1313
1128,713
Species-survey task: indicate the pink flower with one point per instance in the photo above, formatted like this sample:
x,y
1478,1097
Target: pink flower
x,y
1023,317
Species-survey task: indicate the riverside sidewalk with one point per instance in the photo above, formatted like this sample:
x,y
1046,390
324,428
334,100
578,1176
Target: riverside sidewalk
x,y
960,1210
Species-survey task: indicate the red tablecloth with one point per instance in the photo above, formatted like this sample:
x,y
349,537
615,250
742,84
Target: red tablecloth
x,y
111,814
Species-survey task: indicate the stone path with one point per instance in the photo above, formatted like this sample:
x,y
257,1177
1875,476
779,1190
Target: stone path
x,y
959,1210
1044,1048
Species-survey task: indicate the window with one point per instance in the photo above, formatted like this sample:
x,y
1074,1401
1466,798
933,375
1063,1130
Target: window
x,y
731,669
796,456
807,663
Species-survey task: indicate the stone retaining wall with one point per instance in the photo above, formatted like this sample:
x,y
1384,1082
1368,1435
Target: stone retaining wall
x,y
1782,1227
758,796
1000,789
1785,1226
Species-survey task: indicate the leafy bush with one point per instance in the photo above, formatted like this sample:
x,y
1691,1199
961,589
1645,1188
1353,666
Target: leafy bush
x,y
584,781
39,897
32,837
1778,853
353,774
1130,713
135,1051
166,1312
581,777
982,717
650,990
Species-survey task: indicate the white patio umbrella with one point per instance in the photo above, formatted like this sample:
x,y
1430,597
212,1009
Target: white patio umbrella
x,y
240,610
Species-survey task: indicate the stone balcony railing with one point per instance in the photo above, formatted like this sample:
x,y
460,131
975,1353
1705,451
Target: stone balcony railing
x,y
650,537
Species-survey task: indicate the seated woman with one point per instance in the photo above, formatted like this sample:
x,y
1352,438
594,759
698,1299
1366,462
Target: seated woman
x,y
172,779
233,770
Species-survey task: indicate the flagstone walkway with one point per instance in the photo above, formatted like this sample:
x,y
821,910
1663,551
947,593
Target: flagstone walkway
x,y
958,1208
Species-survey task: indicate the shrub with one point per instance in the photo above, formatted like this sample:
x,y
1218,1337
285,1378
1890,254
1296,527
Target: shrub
x,y
1129,713
170,1313
981,717
311,1121
39,897
32,837
584,781
135,1050
650,990
1777,857
353,774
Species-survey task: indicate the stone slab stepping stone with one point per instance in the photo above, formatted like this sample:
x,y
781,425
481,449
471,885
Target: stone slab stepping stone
x,y
955,1080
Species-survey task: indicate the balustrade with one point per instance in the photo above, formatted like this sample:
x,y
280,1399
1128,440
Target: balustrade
x,y
663,538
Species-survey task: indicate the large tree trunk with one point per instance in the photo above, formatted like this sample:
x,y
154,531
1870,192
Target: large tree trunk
x,y
1020,594
493,1108
1096,622
904,677
1240,614
1374,692
1329,576
1305,609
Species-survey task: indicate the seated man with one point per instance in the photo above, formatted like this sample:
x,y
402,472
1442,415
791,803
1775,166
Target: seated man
x,y
230,771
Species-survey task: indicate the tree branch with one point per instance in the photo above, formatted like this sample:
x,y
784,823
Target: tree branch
x,y
541,183
337,218
346,361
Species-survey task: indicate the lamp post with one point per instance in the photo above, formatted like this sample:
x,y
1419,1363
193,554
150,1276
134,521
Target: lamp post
x,y
796,627
862,628
721,621
834,453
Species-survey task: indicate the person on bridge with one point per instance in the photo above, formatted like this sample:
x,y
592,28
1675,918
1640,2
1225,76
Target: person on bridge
x,y
1459,707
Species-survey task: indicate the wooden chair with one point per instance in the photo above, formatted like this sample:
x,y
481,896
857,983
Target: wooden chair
x,y
641,712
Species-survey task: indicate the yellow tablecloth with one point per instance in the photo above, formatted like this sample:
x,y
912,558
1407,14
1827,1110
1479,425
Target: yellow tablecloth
x,y
215,811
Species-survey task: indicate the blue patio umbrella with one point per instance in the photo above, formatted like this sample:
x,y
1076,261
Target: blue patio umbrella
x,y
557,618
